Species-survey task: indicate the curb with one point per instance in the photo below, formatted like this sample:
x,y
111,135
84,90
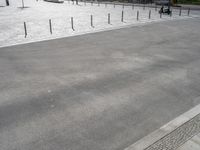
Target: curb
x,y
173,134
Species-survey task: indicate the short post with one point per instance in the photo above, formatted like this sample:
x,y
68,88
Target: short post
x,y
188,11
114,5
171,14
7,3
50,26
25,30
22,3
180,11
149,14
72,23
91,20
109,18
133,6
137,15
144,7
123,6
122,17
160,15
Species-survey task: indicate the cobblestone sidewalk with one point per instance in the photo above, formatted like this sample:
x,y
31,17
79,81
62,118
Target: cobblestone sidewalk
x,y
192,144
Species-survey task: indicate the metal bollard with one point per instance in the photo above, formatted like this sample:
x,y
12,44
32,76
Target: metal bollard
x,y
180,11
188,11
50,26
122,17
91,21
160,15
137,15
25,30
109,18
123,6
149,14
114,5
22,3
72,23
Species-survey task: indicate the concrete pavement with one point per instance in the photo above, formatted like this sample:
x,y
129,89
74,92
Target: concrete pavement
x,y
101,91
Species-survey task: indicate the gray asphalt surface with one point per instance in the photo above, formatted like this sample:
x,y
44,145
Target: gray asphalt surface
x,y
101,91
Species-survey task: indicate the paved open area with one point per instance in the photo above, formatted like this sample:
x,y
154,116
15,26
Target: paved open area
x,y
36,15
100,91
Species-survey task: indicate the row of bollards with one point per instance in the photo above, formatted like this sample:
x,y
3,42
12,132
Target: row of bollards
x,y
114,4
50,26
123,6
109,20
144,6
